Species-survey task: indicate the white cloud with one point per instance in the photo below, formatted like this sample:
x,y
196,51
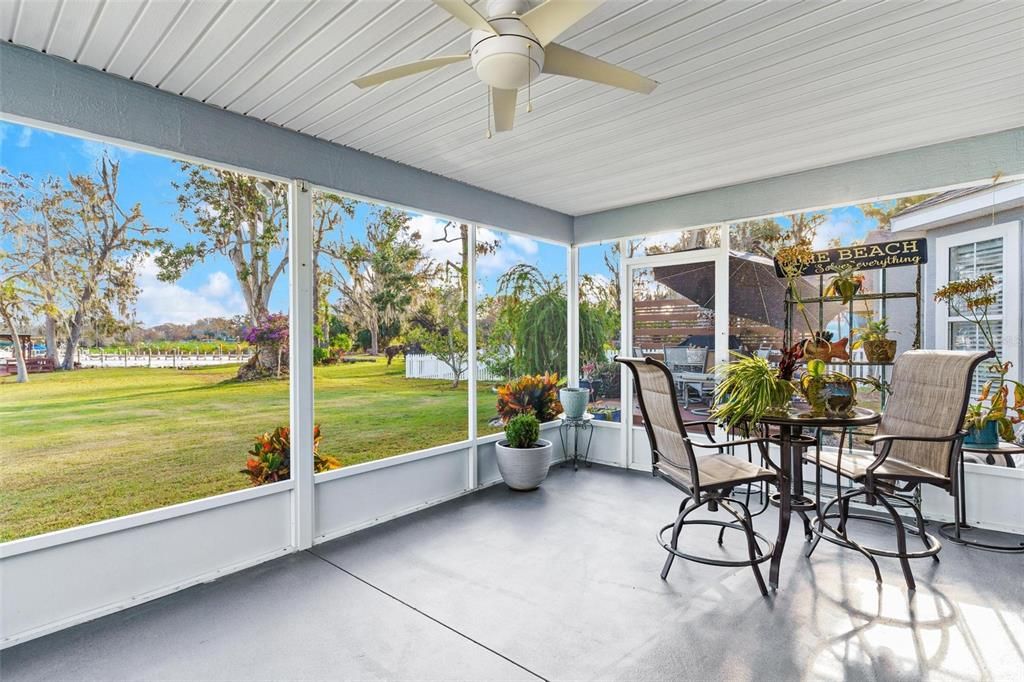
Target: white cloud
x,y
94,151
25,138
831,229
433,228
162,302
218,285
511,249
524,245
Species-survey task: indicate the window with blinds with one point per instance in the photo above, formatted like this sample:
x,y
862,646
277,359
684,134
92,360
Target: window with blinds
x,y
968,261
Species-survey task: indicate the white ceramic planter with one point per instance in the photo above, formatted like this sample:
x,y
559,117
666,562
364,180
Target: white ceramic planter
x,y
523,469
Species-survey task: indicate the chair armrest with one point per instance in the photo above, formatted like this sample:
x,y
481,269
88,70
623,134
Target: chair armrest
x,y
888,440
923,439
728,443
706,425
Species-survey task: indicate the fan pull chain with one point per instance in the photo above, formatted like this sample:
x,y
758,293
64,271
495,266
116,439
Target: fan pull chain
x,y
529,76
488,112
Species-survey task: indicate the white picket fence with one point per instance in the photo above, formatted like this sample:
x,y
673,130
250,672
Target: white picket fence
x,y
424,366
89,358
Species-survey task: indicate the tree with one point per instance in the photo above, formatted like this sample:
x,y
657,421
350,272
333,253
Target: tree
x,y
104,243
35,218
236,215
461,268
804,226
440,328
329,212
530,323
12,304
885,211
613,261
755,236
688,240
382,279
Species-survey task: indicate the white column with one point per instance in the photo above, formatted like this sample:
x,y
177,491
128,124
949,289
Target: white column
x,y
722,302
472,475
300,354
626,350
573,317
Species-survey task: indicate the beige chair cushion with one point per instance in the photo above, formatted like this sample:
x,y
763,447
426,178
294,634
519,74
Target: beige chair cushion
x,y
717,471
853,465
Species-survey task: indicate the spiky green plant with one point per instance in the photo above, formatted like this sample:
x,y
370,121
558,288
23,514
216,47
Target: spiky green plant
x,y
749,389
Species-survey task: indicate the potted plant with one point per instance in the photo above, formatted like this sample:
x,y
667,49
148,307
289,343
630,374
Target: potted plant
x,y
574,401
1000,404
873,337
586,380
607,414
748,389
792,260
535,394
846,283
523,458
827,393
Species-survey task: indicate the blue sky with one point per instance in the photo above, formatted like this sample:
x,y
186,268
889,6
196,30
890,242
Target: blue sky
x,y
210,288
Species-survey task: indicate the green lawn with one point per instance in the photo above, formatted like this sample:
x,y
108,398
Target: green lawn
x,y
77,447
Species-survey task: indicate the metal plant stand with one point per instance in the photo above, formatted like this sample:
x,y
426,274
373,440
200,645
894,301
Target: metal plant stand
x,y
569,432
958,530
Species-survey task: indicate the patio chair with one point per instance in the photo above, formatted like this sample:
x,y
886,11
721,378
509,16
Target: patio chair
x,y
689,370
706,480
917,442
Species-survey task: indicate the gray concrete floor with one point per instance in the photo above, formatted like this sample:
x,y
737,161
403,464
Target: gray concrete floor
x,y
560,583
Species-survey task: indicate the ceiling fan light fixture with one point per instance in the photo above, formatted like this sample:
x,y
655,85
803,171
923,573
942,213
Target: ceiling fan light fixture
x,y
507,62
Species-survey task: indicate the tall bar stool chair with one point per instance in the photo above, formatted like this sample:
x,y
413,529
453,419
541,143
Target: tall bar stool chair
x,y
916,443
704,481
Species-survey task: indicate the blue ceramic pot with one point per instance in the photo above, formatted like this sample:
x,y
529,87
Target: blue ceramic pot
x,y
574,401
986,435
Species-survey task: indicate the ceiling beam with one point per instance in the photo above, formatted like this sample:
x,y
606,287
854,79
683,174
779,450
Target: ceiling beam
x,y
49,91
934,167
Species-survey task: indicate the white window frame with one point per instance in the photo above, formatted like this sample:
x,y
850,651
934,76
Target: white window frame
x,y
1010,233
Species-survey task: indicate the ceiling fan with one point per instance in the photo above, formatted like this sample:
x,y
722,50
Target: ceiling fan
x,y
513,45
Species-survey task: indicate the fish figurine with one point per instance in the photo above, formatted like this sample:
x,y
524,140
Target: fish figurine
x,y
839,350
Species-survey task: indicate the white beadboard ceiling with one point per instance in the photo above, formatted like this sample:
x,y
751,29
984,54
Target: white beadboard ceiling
x,y
749,89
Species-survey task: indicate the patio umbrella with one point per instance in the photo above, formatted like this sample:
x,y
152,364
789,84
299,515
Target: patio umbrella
x,y
755,292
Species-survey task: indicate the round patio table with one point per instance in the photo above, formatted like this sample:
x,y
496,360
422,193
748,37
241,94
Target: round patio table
x,y
792,445
959,531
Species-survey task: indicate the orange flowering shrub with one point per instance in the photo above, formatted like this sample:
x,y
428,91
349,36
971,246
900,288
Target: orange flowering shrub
x,y
270,457
530,394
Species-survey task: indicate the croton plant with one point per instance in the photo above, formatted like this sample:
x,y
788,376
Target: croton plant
x,y
270,457
530,394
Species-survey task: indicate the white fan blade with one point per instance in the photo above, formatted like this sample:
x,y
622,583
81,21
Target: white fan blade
x,y
565,62
554,17
394,72
504,103
466,14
